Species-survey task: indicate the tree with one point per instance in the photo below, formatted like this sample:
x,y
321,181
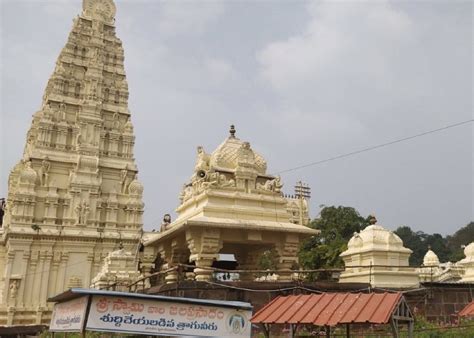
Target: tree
x,y
413,241
337,226
463,236
420,242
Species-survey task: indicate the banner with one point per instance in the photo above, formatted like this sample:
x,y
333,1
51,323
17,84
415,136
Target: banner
x,y
69,316
155,317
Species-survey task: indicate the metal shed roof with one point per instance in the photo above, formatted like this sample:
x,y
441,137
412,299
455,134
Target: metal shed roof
x,y
468,310
329,309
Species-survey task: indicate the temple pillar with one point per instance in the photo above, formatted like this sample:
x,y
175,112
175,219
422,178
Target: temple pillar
x,y
247,260
204,245
287,251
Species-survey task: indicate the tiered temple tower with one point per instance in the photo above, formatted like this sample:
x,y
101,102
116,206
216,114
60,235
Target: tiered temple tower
x,y
74,196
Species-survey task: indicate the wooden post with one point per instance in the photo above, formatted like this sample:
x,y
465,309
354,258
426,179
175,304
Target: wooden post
x,y
266,330
411,328
328,331
292,330
348,330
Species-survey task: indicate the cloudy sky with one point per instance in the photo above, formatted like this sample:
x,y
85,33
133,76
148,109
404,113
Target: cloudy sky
x,y
302,81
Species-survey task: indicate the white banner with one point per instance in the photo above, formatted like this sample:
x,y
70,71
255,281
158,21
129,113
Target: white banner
x,y
69,316
156,317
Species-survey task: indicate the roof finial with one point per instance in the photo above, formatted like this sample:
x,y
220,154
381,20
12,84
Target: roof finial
x,y
232,131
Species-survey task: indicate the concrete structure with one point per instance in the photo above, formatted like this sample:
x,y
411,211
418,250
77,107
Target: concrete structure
x,y
74,196
118,271
434,271
377,256
468,264
231,205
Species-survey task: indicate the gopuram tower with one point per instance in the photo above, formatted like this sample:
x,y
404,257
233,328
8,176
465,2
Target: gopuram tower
x,y
74,196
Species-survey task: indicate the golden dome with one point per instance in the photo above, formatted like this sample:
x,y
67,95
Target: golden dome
x,y
226,156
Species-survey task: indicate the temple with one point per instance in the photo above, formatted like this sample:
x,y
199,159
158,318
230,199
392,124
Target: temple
x,y
377,256
232,205
74,196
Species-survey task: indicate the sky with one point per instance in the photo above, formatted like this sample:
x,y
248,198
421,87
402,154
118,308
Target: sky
x,y
302,82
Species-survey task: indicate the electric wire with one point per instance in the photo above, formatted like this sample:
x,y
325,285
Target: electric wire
x,y
378,146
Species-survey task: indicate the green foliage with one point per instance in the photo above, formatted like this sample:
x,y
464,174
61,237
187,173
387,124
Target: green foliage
x,y
446,248
463,236
268,260
337,225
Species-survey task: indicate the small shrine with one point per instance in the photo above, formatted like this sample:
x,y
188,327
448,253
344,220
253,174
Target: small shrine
x,y
232,205
377,256
433,270
118,271
468,264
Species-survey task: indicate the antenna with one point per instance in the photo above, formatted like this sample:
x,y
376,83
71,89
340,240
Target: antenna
x,y
302,190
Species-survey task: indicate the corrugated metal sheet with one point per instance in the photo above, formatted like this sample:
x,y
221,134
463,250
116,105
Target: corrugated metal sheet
x,y
468,311
329,309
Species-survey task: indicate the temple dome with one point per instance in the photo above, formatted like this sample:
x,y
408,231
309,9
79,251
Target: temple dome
x,y
469,253
135,187
430,259
375,237
227,153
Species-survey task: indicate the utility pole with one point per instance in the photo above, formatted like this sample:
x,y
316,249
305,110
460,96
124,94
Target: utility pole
x,y
302,192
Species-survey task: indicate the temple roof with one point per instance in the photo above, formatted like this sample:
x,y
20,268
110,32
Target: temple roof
x,y
227,154
374,238
430,259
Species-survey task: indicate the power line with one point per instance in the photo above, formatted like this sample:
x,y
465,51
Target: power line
x,y
375,147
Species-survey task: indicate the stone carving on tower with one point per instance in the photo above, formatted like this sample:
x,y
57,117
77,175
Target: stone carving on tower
x,y
75,195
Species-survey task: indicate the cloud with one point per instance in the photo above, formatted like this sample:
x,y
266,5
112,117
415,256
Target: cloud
x,y
355,38
190,17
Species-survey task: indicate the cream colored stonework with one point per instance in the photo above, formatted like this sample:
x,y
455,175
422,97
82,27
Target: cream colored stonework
x,y
434,271
118,271
468,264
377,256
75,194
231,205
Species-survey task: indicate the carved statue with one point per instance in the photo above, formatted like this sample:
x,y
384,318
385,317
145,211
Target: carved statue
x,y
13,289
166,222
224,182
202,161
124,179
72,175
82,213
274,185
62,112
277,184
43,172
48,112
79,139
85,212
116,123
78,211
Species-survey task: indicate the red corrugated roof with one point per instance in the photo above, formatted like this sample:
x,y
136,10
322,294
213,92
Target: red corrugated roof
x,y
329,309
468,311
